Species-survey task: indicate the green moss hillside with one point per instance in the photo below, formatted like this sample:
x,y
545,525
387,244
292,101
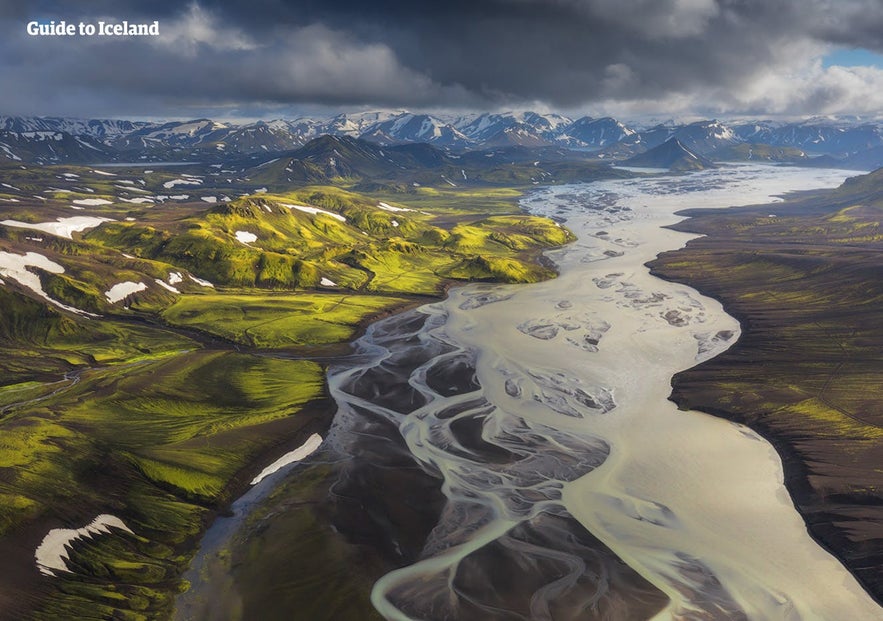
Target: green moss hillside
x,y
297,240
166,358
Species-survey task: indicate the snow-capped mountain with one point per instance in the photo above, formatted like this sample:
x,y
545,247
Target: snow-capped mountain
x,y
52,147
416,128
95,128
704,137
589,132
48,139
354,124
174,134
487,126
815,135
549,126
517,134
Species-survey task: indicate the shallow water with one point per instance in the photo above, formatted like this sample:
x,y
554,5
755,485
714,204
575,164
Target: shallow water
x,y
574,488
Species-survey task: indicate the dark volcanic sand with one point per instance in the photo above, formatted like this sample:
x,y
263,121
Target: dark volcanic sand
x,y
366,506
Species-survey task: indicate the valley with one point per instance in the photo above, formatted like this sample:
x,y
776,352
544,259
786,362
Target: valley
x,y
178,304
540,475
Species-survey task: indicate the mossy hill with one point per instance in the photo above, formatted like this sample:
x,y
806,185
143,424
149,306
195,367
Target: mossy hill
x,y
158,407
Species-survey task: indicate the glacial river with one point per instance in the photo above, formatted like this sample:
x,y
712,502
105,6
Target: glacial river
x,y
575,489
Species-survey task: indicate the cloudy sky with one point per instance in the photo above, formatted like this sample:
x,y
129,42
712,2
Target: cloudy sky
x,y
272,58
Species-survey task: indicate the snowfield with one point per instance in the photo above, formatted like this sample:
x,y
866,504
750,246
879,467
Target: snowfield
x,y
15,267
121,290
92,202
302,452
170,184
137,200
245,237
166,286
63,227
386,207
52,553
200,281
315,211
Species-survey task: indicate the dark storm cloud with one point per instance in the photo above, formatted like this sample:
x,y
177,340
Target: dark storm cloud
x,y
459,53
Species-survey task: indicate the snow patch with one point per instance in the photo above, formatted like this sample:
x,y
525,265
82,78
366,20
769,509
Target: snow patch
x,y
209,199
170,184
166,286
63,227
91,202
137,200
53,552
106,174
386,207
245,237
302,452
327,282
121,290
200,281
15,267
315,211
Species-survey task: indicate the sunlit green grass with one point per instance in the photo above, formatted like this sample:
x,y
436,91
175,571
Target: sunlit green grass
x,y
155,442
278,320
131,413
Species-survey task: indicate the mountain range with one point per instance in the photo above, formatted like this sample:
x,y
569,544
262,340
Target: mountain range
x,y
818,141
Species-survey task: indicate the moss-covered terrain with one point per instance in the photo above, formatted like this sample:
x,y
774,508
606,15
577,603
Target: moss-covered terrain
x,y
805,280
166,357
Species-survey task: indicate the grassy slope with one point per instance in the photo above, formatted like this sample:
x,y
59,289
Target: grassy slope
x,y
806,286
374,249
278,320
147,413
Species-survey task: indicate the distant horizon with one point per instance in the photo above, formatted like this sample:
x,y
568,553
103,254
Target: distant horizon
x,y
645,121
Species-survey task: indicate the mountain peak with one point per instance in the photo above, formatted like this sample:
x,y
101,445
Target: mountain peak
x,y
671,154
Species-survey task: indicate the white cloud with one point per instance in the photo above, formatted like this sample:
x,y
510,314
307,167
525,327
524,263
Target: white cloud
x,y
795,84
198,27
317,62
